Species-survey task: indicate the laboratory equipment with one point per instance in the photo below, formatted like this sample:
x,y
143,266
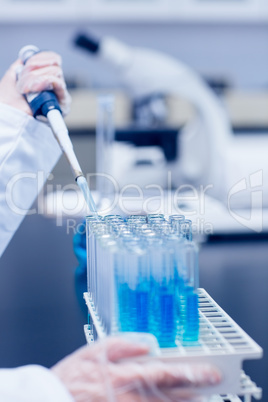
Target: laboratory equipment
x,y
131,157
143,278
45,104
105,183
152,75
206,151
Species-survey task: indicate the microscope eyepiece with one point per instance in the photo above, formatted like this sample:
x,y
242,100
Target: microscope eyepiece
x,y
87,42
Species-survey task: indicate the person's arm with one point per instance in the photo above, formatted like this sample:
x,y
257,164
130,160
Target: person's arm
x,y
28,153
32,384
28,149
104,372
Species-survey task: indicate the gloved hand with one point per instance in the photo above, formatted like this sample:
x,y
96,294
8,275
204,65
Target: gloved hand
x,y
41,72
96,374
80,251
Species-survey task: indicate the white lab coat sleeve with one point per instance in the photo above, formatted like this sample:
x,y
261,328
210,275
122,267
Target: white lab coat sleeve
x,y
28,153
32,384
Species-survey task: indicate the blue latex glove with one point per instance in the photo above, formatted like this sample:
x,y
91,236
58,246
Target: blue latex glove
x,y
79,245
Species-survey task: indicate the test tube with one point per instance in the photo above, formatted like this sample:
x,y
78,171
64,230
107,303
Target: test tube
x,y
189,300
105,287
140,284
143,228
163,300
136,221
116,228
175,221
115,224
155,277
161,227
185,229
113,218
152,217
136,217
126,280
122,302
97,228
175,245
91,263
90,244
104,144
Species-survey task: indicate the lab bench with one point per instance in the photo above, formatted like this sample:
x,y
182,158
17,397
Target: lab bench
x,y
245,108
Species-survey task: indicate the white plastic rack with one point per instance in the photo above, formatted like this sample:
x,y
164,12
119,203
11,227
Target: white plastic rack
x,y
222,343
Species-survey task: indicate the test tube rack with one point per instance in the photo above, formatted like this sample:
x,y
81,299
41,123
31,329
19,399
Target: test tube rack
x,y
222,343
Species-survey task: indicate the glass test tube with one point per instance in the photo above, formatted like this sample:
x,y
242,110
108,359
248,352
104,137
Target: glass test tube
x,y
113,218
137,217
189,297
104,144
156,277
105,281
97,228
91,261
125,282
90,219
175,221
165,293
157,216
135,221
185,229
139,287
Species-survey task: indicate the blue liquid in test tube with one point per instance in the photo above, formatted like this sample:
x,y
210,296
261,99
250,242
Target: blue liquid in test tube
x,y
189,328
163,300
155,284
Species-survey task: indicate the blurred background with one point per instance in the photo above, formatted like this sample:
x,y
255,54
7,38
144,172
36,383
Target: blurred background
x,y
225,44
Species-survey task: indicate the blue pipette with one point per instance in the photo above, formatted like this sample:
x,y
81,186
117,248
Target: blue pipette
x,y
46,104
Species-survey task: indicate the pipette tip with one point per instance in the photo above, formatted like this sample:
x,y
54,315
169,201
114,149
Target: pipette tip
x,y
82,183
